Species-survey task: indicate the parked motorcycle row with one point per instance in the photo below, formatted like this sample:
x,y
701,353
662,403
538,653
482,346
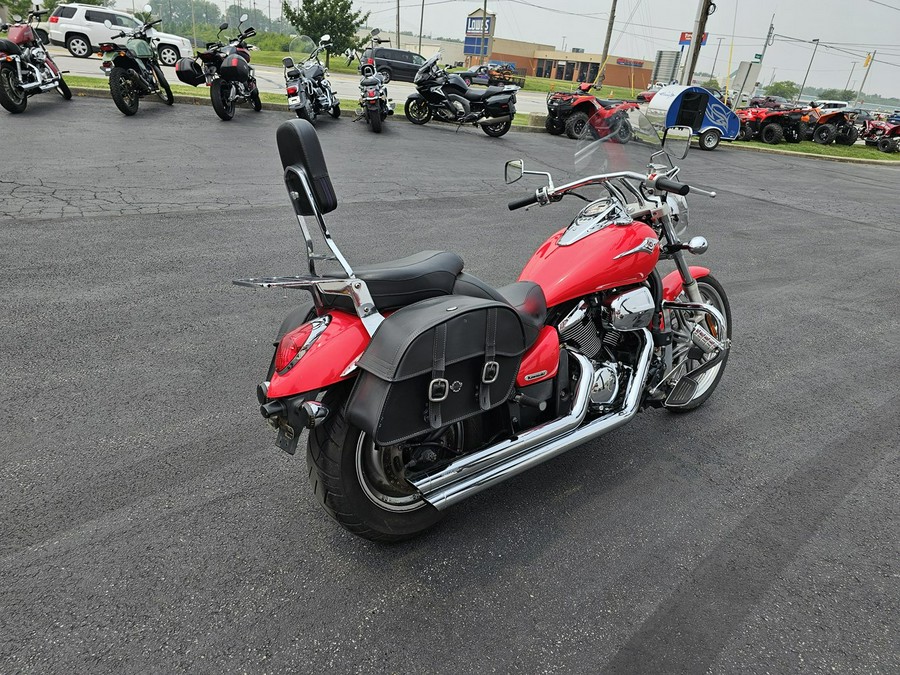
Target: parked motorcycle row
x,y
26,69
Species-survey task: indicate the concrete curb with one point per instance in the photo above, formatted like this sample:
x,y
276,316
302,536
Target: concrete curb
x,y
847,160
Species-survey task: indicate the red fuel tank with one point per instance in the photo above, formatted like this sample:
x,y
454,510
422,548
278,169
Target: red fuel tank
x,y
613,255
21,35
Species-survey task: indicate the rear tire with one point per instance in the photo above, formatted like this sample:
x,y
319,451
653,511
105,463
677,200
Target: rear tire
x,y
887,145
576,124
824,134
12,96
772,134
497,130
709,139
417,111
219,94
124,94
386,74
79,46
168,55
374,116
356,482
554,126
847,136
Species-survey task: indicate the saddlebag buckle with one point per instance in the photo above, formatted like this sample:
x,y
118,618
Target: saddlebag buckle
x,y
438,390
490,372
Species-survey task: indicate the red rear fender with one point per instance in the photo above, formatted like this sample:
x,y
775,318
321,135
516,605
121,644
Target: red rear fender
x,y
672,284
342,342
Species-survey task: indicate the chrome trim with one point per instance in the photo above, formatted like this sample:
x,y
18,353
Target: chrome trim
x,y
508,458
631,310
698,245
586,224
721,326
573,318
647,246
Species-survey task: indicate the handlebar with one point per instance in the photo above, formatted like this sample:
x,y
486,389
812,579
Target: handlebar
x,y
663,183
522,202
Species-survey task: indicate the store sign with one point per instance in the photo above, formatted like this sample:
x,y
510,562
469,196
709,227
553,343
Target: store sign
x,y
474,27
631,63
686,36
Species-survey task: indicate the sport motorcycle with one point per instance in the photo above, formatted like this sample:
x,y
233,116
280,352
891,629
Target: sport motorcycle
x,y
133,69
306,83
226,70
421,385
446,97
26,68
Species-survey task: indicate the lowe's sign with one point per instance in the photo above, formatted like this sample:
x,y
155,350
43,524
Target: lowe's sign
x,y
474,27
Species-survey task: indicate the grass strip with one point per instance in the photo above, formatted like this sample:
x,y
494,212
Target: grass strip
x,y
851,151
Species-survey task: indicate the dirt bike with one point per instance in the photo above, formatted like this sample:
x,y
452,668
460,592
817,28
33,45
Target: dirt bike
x,y
422,385
133,69
26,68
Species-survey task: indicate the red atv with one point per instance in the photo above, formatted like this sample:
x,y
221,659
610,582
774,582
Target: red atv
x,y
883,135
772,125
570,111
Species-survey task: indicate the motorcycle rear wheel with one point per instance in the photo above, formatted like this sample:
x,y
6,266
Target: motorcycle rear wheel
x,y
417,111
374,117
12,96
123,92
497,130
358,483
220,95
713,294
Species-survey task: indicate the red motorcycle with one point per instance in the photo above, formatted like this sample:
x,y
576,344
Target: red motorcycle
x,y
422,385
26,68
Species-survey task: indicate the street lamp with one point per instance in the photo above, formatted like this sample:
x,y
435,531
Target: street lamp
x,y
808,69
564,43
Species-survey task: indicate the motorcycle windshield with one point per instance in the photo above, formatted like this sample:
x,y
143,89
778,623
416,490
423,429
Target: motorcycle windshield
x,y
301,48
425,71
618,138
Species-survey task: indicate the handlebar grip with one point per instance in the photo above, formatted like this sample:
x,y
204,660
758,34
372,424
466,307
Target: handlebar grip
x,y
522,202
663,183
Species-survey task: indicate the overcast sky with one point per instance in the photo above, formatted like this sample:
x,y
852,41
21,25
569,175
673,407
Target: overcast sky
x,y
645,26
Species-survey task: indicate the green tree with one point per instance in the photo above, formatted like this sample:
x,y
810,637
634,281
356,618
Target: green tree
x,y
337,18
711,83
785,89
837,94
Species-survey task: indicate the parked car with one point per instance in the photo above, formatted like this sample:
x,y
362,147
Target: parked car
x,y
80,29
769,102
394,64
858,115
828,105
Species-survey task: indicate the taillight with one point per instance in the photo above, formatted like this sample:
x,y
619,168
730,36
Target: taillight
x,y
289,349
234,61
371,93
54,19
107,48
292,90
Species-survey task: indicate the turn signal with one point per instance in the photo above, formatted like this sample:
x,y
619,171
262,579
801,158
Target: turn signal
x,y
290,346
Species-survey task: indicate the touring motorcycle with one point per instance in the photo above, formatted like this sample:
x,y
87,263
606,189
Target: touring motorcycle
x,y
422,385
306,82
133,69
26,68
226,70
446,97
374,104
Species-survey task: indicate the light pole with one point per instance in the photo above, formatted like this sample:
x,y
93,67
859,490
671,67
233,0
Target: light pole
x,y
564,44
852,66
421,20
716,58
816,40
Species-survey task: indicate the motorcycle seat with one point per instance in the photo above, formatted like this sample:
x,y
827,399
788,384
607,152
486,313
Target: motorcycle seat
x,y
480,95
9,47
373,81
526,297
401,282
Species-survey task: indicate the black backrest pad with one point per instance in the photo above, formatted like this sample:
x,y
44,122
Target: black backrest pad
x,y
298,145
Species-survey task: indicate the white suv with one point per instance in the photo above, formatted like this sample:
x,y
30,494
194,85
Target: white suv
x,y
80,29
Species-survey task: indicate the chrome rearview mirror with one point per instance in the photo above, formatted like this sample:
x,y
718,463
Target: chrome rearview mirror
x,y
514,170
325,38
148,8
244,17
677,141
287,62
108,24
375,31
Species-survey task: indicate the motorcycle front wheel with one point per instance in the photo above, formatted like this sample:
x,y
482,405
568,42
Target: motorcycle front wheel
x,y
374,115
222,103
255,100
417,111
123,91
165,91
362,485
682,324
12,96
335,111
63,89
497,130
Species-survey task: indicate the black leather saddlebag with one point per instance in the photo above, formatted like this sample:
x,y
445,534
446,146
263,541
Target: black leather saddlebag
x,y
234,69
189,72
434,363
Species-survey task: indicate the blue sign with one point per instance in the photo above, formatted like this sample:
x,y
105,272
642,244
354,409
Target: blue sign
x,y
473,26
473,47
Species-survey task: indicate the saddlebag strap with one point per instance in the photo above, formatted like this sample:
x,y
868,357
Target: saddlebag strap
x,y
439,388
491,368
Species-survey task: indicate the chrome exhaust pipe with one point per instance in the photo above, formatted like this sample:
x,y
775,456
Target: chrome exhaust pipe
x,y
474,473
493,120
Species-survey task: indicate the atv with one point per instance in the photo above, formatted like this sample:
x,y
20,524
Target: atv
x,y
772,125
569,112
830,126
882,135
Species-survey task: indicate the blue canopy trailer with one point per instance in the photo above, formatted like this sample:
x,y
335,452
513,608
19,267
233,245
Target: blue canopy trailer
x,y
697,108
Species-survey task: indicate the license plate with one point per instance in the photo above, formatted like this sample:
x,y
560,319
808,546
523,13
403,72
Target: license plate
x,y
287,439
293,99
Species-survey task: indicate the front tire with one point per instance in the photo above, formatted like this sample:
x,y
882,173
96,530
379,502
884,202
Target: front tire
x,y
576,124
361,485
887,145
165,91
222,103
847,136
79,46
554,126
168,56
713,294
335,111
255,100
374,115
124,94
12,96
63,89
824,134
417,110
497,130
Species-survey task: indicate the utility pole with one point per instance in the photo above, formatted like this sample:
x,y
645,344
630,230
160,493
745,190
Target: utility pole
x,y
484,33
609,29
770,39
852,66
716,58
421,21
396,46
808,68
703,12
870,59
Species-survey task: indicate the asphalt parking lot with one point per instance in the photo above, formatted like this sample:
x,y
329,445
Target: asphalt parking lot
x,y
149,524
